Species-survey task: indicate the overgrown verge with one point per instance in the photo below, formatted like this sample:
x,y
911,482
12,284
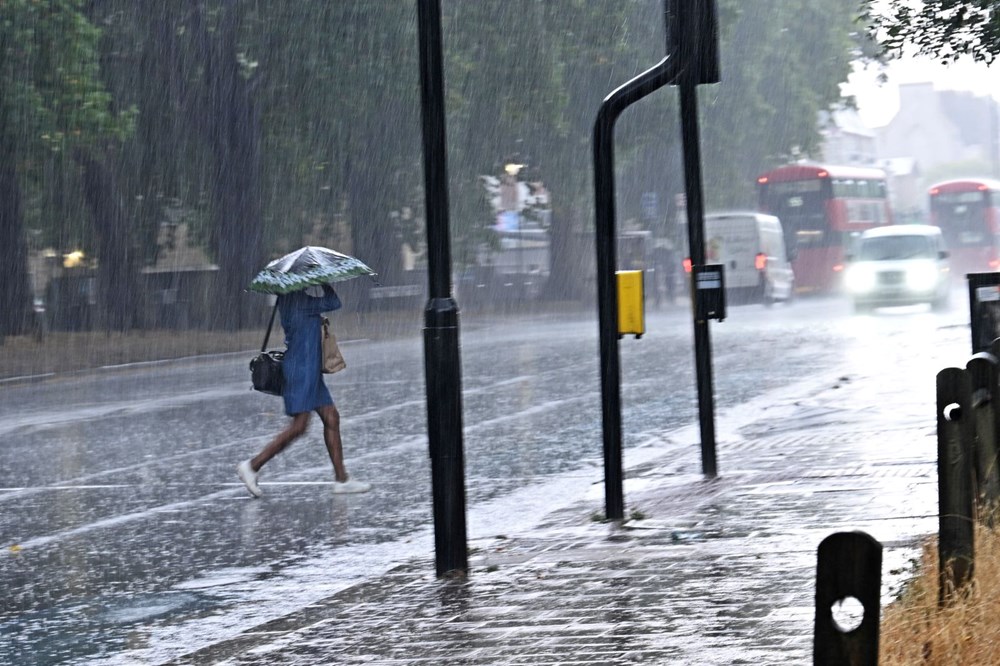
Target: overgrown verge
x,y
64,351
915,630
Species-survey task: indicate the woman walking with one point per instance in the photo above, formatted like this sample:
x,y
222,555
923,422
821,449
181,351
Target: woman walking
x,y
304,391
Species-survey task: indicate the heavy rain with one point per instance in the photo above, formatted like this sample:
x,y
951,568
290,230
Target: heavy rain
x,y
159,159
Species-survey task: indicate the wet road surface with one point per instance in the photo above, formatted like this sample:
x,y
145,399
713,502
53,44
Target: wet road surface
x,y
124,527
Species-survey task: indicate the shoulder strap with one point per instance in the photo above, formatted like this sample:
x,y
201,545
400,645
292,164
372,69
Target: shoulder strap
x,y
267,336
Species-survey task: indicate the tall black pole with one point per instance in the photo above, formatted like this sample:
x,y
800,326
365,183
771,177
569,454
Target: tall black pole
x,y
442,363
696,243
605,237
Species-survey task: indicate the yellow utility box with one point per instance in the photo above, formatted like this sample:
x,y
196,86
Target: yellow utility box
x,y
631,304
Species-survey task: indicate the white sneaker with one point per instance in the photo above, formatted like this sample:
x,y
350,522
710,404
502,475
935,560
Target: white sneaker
x,y
351,486
249,478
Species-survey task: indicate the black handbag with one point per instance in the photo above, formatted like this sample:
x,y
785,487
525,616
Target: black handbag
x,y
266,374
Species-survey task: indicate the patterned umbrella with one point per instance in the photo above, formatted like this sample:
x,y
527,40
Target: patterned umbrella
x,y
310,265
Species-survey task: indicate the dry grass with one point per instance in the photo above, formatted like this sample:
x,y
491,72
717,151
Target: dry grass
x,y
966,632
68,352
62,352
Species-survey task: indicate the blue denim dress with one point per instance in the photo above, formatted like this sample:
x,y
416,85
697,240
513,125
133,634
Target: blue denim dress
x,y
301,318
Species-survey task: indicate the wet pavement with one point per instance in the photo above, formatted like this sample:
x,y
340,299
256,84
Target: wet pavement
x,y
703,572
129,541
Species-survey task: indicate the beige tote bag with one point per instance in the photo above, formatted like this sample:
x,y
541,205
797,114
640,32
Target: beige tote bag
x,y
333,360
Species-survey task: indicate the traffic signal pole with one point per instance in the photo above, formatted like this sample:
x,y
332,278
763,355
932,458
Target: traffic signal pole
x,y
694,33
692,58
606,241
696,243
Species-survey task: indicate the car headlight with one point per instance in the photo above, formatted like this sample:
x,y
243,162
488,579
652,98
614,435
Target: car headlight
x,y
859,278
921,276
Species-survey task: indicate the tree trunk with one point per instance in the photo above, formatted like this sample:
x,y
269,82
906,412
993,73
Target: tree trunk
x,y
567,258
15,293
372,237
233,122
159,142
118,277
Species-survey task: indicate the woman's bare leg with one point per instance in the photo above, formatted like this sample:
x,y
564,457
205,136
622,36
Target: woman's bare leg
x,y
331,435
295,428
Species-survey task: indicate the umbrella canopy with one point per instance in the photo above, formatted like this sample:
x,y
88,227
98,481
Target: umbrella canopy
x,y
310,265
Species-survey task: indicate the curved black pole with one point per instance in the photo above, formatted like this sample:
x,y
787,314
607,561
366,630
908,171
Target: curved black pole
x,y
666,71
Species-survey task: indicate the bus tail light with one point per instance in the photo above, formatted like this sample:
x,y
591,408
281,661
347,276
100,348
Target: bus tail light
x,y
837,268
760,261
993,220
687,264
994,262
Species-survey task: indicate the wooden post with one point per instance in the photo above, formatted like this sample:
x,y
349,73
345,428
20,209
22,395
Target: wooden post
x,y
955,434
982,369
849,565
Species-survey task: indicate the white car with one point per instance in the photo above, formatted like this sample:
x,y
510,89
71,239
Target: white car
x,y
901,264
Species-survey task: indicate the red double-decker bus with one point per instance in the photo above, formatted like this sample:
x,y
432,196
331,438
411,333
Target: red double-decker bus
x,y
968,212
820,206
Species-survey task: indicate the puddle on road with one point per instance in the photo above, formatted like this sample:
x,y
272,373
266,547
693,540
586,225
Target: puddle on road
x,y
222,578
144,607
65,634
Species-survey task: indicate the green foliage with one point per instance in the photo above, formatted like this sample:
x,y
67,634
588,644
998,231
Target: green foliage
x,y
782,63
53,93
944,29
340,106
53,99
53,104
337,90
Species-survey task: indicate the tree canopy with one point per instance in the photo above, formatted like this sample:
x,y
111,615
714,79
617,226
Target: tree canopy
x,y
52,103
266,125
782,63
944,29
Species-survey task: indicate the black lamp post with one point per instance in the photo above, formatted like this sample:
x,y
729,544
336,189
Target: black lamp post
x,y
442,362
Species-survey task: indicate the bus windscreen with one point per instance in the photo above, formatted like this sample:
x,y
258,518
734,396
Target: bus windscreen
x,y
801,207
961,216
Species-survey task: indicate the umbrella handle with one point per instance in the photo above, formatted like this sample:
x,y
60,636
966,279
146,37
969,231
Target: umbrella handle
x,y
267,336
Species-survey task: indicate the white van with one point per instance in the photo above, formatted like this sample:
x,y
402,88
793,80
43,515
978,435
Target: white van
x,y
751,246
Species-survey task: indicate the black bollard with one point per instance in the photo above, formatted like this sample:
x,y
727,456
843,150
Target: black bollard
x,y
982,369
849,566
956,511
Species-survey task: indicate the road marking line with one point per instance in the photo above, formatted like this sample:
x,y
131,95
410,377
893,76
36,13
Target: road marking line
x,y
114,521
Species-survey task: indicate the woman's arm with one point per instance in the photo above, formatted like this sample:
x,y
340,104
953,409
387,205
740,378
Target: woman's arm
x,y
325,303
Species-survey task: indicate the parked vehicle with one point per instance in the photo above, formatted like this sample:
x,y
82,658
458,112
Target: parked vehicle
x,y
751,247
903,264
